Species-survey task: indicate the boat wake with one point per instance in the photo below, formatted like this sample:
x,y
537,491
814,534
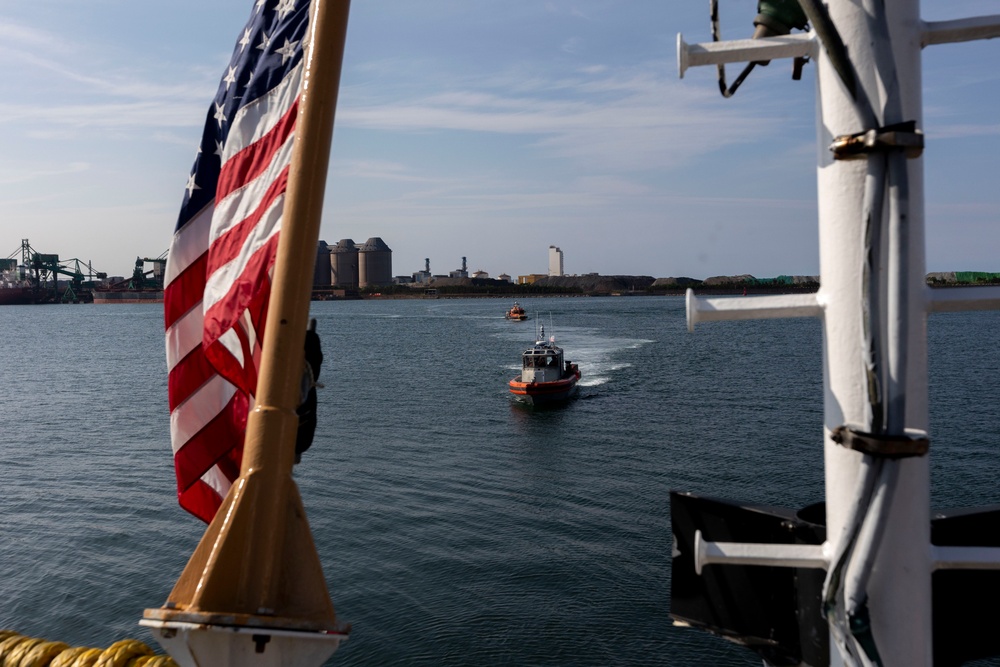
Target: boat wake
x,y
599,373
601,359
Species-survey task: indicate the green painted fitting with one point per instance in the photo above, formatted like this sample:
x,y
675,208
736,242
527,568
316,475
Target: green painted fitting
x,y
780,16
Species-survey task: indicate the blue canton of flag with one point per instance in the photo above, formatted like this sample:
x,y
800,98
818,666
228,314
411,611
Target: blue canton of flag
x,y
269,48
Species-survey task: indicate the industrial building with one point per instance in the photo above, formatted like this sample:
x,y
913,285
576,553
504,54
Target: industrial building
x,y
462,272
555,261
345,266
425,275
322,275
375,266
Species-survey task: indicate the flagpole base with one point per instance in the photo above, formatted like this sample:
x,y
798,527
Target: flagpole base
x,y
193,644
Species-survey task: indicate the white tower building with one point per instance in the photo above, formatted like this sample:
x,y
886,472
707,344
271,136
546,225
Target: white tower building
x,y
555,261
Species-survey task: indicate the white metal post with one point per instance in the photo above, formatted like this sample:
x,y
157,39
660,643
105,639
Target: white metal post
x,y
900,586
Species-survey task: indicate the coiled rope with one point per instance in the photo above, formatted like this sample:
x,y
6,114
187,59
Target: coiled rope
x,y
16,650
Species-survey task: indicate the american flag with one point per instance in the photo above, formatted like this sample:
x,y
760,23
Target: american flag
x,y
217,280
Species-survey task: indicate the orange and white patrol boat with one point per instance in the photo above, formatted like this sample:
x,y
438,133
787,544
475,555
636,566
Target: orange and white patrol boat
x,y
516,312
545,376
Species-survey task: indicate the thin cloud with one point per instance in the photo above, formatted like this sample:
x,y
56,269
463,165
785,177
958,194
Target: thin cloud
x,y
24,174
379,170
116,115
24,39
572,45
622,120
119,98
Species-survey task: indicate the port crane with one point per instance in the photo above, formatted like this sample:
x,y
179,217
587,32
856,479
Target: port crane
x,y
143,279
45,268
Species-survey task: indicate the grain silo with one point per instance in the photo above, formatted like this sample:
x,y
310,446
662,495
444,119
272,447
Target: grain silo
x,y
322,272
376,263
344,260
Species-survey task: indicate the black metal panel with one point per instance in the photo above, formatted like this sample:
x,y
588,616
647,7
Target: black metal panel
x,y
966,609
773,611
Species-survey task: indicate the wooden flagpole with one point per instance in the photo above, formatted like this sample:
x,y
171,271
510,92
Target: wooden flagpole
x,y
257,565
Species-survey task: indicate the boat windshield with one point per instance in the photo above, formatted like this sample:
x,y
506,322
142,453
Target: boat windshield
x,y
540,360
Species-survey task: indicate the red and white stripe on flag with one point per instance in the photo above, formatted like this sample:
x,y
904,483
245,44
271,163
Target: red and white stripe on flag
x,y
217,280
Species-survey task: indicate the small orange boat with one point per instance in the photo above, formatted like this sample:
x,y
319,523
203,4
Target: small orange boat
x,y
516,312
546,377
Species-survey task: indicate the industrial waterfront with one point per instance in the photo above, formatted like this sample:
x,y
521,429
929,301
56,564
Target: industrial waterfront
x,y
346,270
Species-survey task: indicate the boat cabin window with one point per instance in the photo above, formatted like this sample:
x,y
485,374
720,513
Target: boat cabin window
x,y
541,360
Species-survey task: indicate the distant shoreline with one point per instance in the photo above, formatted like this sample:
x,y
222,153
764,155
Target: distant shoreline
x,y
704,291
594,285
590,285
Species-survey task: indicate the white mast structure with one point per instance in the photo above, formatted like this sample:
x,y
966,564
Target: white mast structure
x,y
873,303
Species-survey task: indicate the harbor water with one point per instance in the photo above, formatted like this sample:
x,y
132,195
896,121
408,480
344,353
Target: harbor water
x,y
455,526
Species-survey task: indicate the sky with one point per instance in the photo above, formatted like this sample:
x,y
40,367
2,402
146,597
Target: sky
x,y
485,129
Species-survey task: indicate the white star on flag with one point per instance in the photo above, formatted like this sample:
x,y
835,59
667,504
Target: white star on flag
x,y
191,186
285,7
287,51
219,115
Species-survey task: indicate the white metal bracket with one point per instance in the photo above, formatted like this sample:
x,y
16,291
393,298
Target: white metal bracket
x,y
961,30
743,50
741,553
814,556
709,309
956,299
965,558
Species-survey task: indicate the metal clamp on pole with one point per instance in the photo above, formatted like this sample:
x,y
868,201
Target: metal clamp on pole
x,y
900,136
885,446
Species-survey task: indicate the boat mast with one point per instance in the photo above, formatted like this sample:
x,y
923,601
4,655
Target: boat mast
x,y
873,302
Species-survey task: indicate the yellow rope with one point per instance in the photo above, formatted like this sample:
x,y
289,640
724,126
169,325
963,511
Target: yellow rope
x,y
121,653
77,657
43,653
19,651
152,661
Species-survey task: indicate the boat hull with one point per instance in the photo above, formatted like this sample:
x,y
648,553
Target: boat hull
x,y
540,393
19,296
129,296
